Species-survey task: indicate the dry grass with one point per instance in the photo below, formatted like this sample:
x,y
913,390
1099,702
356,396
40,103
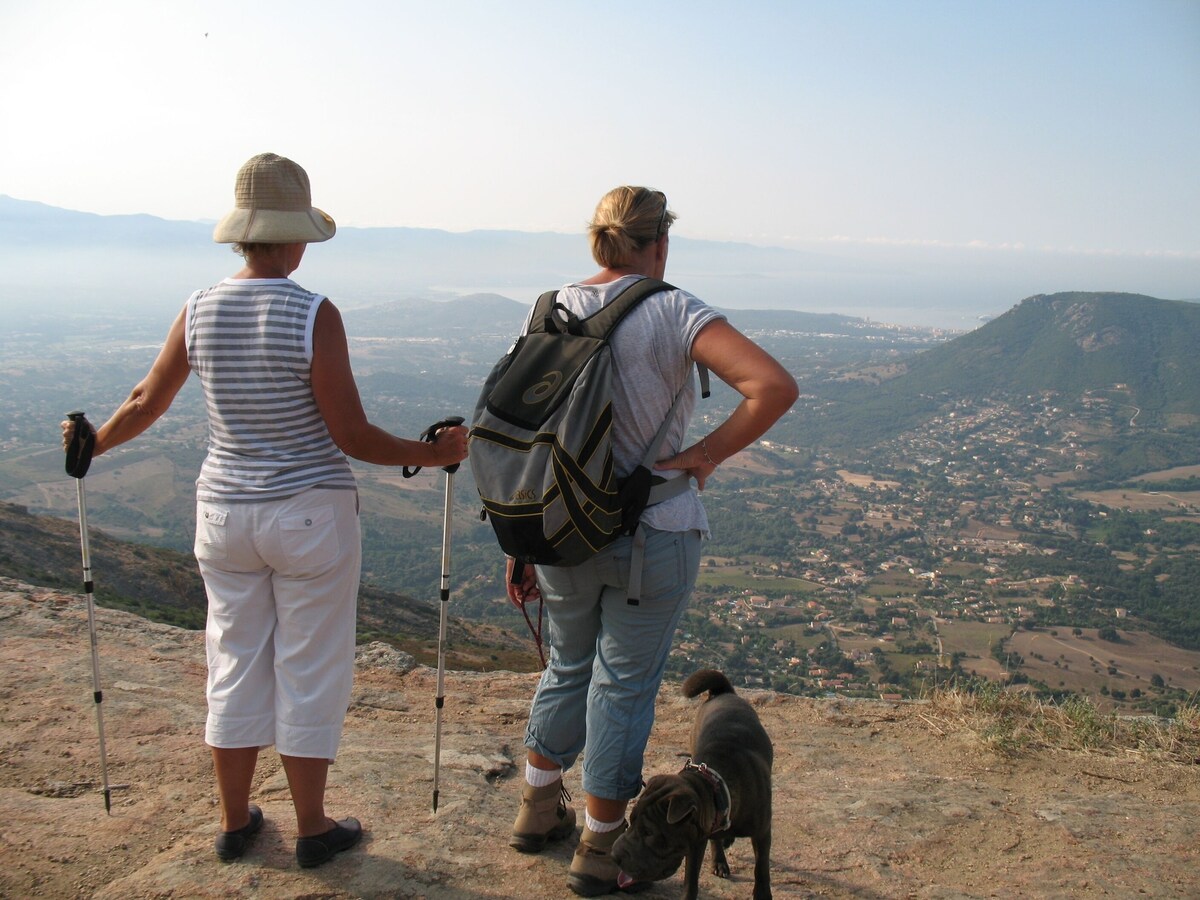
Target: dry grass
x,y
1014,723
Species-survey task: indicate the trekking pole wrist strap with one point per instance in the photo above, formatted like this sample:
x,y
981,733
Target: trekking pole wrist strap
x,y
429,435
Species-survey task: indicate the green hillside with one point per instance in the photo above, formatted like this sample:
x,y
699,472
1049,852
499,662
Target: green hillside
x,y
1078,342
1134,352
164,586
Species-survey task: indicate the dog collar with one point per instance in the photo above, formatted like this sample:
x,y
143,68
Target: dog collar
x,y
720,789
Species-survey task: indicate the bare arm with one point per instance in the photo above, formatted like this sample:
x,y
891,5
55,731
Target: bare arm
x,y
341,407
767,390
151,397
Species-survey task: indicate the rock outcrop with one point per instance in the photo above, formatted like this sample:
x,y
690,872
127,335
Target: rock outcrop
x,y
871,799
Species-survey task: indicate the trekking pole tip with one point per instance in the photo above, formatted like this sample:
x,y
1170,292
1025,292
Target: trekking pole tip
x,y
435,800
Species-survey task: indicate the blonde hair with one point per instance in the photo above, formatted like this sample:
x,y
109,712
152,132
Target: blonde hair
x,y
627,219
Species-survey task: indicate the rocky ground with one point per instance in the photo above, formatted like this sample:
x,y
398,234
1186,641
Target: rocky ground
x,y
872,800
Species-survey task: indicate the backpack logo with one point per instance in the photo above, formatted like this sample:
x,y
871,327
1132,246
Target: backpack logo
x,y
543,389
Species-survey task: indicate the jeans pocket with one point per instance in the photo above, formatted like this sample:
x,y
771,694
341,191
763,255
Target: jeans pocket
x,y
670,566
664,567
212,536
309,539
562,582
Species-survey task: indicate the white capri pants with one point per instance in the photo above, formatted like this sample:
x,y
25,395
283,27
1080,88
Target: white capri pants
x,y
282,582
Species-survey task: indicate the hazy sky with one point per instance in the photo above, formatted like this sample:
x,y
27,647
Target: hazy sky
x,y
1022,126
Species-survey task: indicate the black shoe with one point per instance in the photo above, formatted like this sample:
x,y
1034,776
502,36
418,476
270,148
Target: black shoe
x,y
320,848
232,844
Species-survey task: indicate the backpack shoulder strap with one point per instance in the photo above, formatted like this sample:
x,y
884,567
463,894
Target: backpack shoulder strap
x,y
541,309
601,324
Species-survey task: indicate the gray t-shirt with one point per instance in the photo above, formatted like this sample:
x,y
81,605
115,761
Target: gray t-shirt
x,y
651,361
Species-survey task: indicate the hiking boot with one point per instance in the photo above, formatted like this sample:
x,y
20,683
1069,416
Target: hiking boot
x,y
544,816
593,872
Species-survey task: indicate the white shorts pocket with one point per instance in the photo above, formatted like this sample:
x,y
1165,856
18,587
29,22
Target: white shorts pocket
x,y
309,539
212,540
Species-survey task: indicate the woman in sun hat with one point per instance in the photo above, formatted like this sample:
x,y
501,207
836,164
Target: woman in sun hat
x,y
277,530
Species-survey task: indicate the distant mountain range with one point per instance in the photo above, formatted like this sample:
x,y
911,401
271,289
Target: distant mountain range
x,y
139,263
55,261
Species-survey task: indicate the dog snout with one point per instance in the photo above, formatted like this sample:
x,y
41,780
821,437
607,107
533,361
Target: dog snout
x,y
641,863
618,850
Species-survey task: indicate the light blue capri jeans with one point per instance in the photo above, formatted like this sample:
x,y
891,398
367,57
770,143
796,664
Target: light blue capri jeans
x,y
607,658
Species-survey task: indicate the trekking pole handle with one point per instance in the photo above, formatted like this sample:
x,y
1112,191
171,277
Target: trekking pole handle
x,y
83,442
448,422
429,435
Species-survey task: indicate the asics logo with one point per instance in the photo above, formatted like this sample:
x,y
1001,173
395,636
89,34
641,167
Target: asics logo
x,y
542,389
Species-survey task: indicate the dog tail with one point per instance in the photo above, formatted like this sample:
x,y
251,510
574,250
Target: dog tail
x,y
707,680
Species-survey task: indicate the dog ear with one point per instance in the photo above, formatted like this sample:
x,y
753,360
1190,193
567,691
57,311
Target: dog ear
x,y
679,808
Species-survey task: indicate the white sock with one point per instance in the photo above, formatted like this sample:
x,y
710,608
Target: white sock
x,y
597,827
541,777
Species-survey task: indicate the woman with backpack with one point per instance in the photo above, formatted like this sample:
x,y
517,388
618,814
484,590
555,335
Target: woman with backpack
x,y
607,655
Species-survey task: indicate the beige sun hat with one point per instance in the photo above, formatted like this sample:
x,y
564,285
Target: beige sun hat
x,y
273,206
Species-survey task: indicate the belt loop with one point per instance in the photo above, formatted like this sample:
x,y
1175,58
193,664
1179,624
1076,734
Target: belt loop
x,y
636,559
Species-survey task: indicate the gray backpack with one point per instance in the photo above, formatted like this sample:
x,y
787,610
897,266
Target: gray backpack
x,y
540,443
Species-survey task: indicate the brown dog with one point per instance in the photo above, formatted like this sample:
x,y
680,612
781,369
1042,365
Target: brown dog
x,y
722,793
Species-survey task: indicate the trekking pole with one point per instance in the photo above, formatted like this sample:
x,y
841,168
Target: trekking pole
x,y
79,458
430,434
444,595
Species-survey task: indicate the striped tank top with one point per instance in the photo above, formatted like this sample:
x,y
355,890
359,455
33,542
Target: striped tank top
x,y
250,342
